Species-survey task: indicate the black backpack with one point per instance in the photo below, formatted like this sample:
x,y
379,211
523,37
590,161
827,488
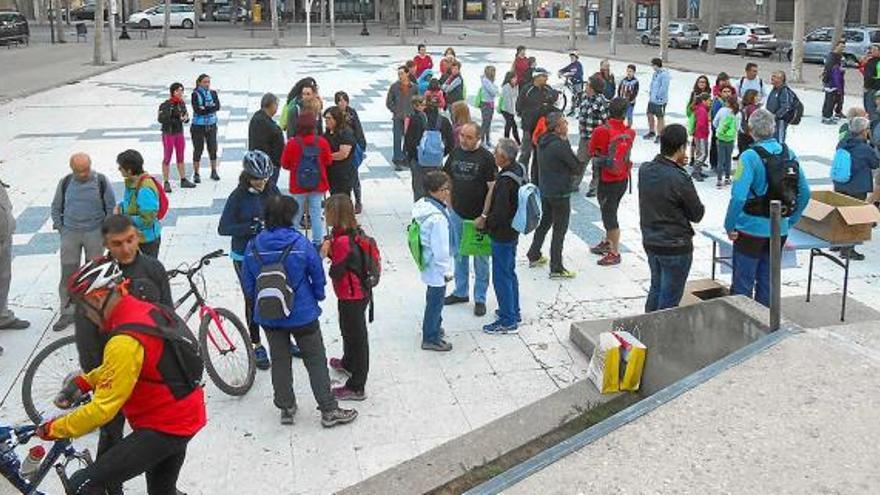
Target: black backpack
x,y
181,364
797,109
783,180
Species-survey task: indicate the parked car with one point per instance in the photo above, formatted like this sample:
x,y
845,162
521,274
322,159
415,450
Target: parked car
x,y
224,14
742,39
85,13
181,16
817,44
13,27
681,35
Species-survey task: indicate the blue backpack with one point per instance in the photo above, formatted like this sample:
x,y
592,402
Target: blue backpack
x,y
430,148
308,173
528,205
357,156
841,167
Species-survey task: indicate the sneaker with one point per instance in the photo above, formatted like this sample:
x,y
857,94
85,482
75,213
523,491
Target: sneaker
x,y
295,351
609,259
336,365
15,324
214,175
338,416
287,415
498,315
358,208
562,274
591,193
398,167
727,181
601,248
497,328
197,178
186,184
718,185
480,309
538,262
63,322
345,393
650,135
167,187
262,358
657,140
441,346
453,299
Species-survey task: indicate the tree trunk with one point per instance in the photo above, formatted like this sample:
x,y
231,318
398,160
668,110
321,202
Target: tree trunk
x,y
612,45
114,48
332,22
460,5
797,42
499,11
572,36
839,18
438,14
323,18
197,17
865,13
401,15
59,24
166,25
664,30
533,26
309,22
273,4
627,21
713,25
98,57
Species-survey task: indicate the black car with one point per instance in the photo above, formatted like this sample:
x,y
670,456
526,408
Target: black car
x,y
13,27
85,13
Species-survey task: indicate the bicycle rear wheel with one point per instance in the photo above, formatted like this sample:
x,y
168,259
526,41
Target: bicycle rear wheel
x,y
45,376
565,96
227,351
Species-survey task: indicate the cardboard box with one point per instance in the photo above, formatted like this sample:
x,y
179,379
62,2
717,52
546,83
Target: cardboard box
x,y
838,218
697,291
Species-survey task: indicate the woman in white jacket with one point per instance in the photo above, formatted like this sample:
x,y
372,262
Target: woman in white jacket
x,y
433,219
507,105
488,93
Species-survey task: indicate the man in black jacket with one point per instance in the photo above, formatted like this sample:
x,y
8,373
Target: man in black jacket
x,y
535,102
425,115
559,173
501,210
668,203
265,135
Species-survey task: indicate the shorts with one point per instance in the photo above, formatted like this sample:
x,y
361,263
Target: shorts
x,y
656,109
609,195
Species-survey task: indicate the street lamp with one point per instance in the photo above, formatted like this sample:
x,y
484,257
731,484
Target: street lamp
x,y
124,35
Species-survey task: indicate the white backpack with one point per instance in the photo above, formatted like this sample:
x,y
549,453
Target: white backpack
x,y
528,205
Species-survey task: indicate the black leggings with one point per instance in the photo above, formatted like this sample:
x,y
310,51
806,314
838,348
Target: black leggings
x,y
202,134
510,125
159,455
355,346
253,328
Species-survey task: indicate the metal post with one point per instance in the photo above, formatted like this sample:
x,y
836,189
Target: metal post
x,y
775,264
572,26
332,22
499,12
52,15
111,21
533,26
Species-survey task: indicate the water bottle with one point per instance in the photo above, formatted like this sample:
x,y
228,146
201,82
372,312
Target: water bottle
x,y
31,464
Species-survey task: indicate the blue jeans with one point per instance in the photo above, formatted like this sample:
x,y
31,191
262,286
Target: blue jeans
x,y
315,199
433,314
751,276
397,131
725,154
505,281
462,264
781,128
669,274
629,114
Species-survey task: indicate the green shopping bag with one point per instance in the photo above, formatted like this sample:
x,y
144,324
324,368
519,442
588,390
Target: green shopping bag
x,y
474,242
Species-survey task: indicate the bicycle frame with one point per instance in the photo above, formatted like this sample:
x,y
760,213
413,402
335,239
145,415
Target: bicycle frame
x,y
10,466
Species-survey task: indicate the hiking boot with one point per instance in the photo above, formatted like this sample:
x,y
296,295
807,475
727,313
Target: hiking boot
x,y
441,346
497,328
15,324
186,184
338,416
214,175
63,322
538,262
480,309
609,259
453,299
197,178
562,274
345,393
336,365
262,358
295,351
601,248
358,208
167,187
287,415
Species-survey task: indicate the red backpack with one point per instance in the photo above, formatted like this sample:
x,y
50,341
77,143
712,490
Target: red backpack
x,y
368,266
616,163
163,198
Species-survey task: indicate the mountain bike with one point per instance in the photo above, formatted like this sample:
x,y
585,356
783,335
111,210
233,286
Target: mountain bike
x,y
59,457
570,92
224,341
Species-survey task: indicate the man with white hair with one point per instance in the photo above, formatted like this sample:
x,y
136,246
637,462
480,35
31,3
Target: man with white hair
x,y
781,102
863,161
748,215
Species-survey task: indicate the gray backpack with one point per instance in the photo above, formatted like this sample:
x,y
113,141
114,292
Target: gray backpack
x,y
275,297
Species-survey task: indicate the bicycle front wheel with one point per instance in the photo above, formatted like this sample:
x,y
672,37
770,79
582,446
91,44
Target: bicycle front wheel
x,y
45,377
564,97
226,348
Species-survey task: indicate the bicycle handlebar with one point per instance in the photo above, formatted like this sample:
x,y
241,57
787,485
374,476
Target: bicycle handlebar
x,y
192,269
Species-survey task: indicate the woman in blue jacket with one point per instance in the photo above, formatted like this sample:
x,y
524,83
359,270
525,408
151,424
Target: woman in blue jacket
x,y
203,129
279,242
243,219
863,161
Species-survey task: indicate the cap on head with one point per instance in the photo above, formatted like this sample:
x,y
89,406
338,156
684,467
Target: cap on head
x,y
538,72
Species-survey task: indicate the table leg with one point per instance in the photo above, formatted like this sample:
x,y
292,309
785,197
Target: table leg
x,y
810,274
845,288
714,258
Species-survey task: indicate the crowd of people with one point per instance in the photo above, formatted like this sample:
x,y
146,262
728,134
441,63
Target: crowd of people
x,y
472,202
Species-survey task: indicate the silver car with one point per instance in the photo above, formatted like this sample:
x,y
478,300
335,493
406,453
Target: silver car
x,y
681,35
817,44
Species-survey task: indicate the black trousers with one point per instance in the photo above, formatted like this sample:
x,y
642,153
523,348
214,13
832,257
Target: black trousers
x,y
713,151
201,135
355,345
832,104
151,248
557,212
510,126
253,328
159,455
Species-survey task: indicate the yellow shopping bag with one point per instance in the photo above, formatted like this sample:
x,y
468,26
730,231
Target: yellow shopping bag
x,y
632,356
604,368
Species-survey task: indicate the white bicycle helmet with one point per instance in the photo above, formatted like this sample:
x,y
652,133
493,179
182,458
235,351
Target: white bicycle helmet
x,y
99,273
257,164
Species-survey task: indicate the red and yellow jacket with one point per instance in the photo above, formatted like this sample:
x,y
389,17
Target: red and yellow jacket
x,y
129,380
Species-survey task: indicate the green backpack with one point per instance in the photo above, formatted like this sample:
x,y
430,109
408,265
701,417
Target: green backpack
x,y
414,240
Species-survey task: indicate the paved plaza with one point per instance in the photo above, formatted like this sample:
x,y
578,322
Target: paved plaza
x,y
416,400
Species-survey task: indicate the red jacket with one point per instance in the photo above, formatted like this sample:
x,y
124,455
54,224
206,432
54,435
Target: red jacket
x,y
151,404
293,153
346,285
520,66
423,64
599,143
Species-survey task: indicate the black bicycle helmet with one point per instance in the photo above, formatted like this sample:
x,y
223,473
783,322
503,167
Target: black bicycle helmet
x,y
257,164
